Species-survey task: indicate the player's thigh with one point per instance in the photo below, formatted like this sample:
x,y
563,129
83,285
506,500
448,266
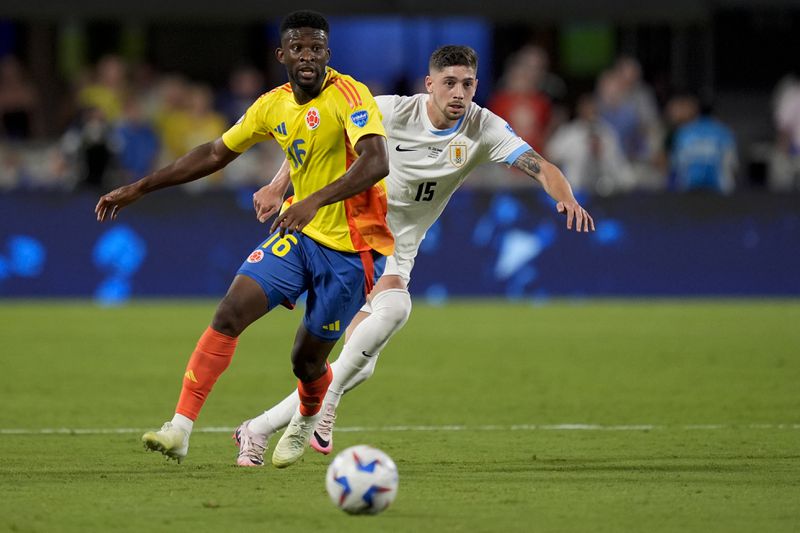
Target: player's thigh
x,y
387,282
396,275
384,283
358,319
244,303
338,290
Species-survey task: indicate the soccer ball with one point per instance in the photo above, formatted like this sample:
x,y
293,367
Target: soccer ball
x,y
362,480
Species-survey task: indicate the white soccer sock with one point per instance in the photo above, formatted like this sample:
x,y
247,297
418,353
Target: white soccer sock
x,y
390,311
277,417
183,422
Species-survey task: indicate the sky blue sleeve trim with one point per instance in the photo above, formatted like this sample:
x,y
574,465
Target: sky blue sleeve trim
x,y
516,153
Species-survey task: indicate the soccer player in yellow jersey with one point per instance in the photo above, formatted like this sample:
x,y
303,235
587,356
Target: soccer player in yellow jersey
x,y
439,137
332,241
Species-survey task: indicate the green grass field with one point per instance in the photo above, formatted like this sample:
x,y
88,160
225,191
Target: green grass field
x,y
688,414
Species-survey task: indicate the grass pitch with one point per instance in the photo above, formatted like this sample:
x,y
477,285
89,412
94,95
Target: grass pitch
x,y
595,416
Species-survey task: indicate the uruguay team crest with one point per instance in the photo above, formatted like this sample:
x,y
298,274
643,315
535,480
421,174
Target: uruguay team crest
x,y
255,257
312,118
458,154
360,118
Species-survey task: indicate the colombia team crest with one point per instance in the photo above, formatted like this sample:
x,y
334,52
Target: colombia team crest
x,y
458,154
255,257
312,118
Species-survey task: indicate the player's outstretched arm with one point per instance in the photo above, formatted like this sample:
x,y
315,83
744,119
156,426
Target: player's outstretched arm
x,y
199,162
371,166
268,199
557,186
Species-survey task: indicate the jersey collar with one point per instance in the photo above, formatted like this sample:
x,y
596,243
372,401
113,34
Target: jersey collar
x,y
429,125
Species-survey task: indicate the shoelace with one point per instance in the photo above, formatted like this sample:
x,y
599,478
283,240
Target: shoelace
x,y
250,447
255,449
297,433
325,425
168,427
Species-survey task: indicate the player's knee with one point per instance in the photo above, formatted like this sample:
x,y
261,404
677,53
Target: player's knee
x,y
244,303
306,369
393,306
228,320
303,370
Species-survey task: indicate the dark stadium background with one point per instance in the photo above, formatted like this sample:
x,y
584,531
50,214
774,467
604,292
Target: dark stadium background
x,y
648,243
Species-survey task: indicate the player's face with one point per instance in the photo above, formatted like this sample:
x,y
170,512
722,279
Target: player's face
x,y
452,90
305,54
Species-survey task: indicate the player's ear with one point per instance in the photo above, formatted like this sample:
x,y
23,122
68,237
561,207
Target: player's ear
x,y
429,84
279,55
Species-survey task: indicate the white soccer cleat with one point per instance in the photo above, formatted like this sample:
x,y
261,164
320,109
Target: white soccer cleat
x,y
294,440
251,446
322,438
170,440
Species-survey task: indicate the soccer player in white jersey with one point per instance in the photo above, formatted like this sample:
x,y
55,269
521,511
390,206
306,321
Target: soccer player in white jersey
x,y
435,140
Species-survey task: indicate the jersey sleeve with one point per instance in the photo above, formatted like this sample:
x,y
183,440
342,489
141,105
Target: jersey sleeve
x,y
386,107
252,128
358,110
504,146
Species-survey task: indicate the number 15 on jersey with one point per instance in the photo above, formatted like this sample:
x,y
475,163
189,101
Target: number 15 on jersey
x,y
425,191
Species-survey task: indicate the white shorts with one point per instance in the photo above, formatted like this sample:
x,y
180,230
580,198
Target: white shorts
x,y
395,266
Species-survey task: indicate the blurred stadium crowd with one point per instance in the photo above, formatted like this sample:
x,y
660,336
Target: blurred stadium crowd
x,y
119,121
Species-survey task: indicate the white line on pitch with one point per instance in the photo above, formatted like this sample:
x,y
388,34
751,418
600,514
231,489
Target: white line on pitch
x,y
380,429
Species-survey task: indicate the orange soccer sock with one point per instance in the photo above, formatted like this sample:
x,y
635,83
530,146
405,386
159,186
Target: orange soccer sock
x,y
209,360
313,392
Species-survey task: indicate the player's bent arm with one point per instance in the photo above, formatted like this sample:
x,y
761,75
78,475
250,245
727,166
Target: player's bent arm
x,y
197,163
281,179
268,199
556,185
369,168
547,174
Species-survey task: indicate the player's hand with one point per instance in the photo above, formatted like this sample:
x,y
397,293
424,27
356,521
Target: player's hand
x,y
575,213
109,205
296,217
267,201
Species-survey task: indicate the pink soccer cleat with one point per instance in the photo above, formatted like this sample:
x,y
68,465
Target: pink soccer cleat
x,y
322,438
251,446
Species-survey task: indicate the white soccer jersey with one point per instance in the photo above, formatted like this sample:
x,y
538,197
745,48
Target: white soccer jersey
x,y
427,165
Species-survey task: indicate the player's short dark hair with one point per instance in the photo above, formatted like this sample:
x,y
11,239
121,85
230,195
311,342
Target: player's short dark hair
x,y
453,55
304,19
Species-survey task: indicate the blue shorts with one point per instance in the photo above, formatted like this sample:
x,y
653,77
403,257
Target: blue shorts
x,y
337,282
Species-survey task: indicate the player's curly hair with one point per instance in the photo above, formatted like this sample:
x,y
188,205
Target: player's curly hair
x,y
304,19
453,55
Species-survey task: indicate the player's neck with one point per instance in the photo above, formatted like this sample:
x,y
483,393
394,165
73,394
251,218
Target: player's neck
x,y
437,118
302,97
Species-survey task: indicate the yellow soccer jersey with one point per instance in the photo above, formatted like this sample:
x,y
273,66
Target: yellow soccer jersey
x,y
318,139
